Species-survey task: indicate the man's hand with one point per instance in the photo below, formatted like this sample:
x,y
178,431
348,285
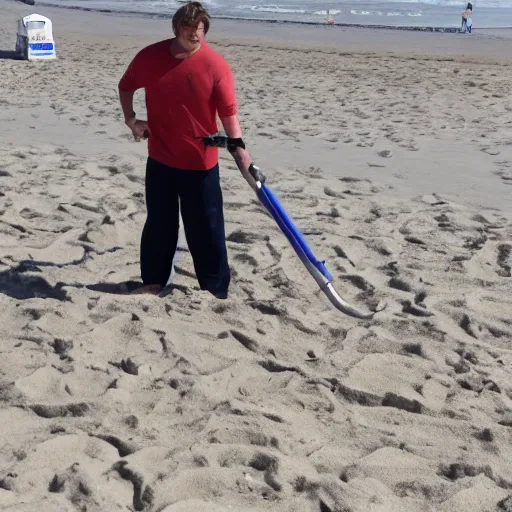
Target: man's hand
x,y
243,161
139,128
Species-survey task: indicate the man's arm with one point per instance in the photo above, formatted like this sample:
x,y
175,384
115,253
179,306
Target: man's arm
x,y
128,84
126,99
226,104
138,127
243,159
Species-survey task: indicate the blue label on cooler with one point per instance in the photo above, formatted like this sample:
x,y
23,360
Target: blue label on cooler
x,y
41,46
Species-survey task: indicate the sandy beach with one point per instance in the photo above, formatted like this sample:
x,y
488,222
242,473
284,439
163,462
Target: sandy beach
x,y
392,152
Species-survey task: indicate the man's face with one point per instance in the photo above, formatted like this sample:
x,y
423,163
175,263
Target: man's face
x,y
190,38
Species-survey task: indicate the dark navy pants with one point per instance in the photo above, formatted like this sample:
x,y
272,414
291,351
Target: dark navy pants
x,y
199,197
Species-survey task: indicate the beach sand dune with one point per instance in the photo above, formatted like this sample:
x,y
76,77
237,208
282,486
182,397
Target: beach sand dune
x,y
398,170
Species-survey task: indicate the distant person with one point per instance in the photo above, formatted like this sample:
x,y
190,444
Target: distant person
x,y
466,16
469,24
187,84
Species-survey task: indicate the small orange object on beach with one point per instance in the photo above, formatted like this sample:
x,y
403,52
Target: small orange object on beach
x,y
330,20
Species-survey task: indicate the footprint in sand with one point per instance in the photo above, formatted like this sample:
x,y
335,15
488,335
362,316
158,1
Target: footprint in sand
x,y
246,341
246,258
504,260
241,236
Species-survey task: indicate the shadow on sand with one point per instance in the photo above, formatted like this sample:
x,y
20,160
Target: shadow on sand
x,y
9,55
23,286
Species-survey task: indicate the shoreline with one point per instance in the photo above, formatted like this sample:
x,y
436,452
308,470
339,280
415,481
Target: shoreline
x,y
411,28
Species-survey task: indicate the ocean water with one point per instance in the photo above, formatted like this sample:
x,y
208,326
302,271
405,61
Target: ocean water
x,y
403,13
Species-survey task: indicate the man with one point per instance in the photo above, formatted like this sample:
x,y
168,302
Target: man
x,y
187,85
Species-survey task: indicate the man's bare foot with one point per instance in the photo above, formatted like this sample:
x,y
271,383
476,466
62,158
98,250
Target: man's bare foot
x,y
151,289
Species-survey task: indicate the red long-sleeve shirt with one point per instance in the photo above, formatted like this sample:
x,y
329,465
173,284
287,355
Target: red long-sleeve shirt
x,y
183,97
